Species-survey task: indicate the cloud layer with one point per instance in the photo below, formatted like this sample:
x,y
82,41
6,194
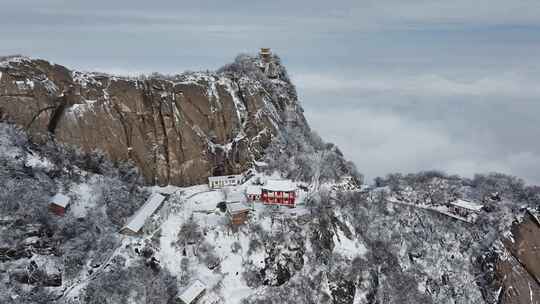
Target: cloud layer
x,y
423,123
432,85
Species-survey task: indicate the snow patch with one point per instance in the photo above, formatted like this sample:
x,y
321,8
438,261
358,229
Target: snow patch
x,y
36,161
347,247
86,197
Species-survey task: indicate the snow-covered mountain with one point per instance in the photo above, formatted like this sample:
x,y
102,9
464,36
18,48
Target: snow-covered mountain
x,y
401,240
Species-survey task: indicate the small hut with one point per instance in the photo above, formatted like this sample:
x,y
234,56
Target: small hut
x,y
238,213
217,182
59,203
192,293
266,54
465,208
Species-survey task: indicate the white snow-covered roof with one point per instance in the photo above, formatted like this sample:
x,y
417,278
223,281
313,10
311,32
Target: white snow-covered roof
x,y
152,204
167,190
467,205
346,177
237,208
234,196
253,189
60,200
279,185
222,177
192,292
260,164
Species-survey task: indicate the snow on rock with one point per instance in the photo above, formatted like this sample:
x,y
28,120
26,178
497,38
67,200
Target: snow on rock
x,y
350,248
36,161
7,61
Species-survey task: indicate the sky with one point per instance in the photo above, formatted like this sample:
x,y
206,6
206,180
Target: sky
x,y
399,86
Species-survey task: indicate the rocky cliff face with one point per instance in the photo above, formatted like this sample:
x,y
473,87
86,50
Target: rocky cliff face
x,y
177,130
518,267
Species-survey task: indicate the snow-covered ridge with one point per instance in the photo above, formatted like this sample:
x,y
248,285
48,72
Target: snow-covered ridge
x,y
6,61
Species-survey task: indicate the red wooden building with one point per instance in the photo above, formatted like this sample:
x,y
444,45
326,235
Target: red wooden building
x,y
58,204
279,192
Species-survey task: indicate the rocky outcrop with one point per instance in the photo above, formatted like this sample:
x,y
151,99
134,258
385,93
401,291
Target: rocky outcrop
x,y
177,130
518,268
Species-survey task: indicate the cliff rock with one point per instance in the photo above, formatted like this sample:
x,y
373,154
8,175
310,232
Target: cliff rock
x,y
519,265
176,129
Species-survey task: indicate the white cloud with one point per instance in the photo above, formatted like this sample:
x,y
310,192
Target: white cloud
x,y
381,142
510,85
